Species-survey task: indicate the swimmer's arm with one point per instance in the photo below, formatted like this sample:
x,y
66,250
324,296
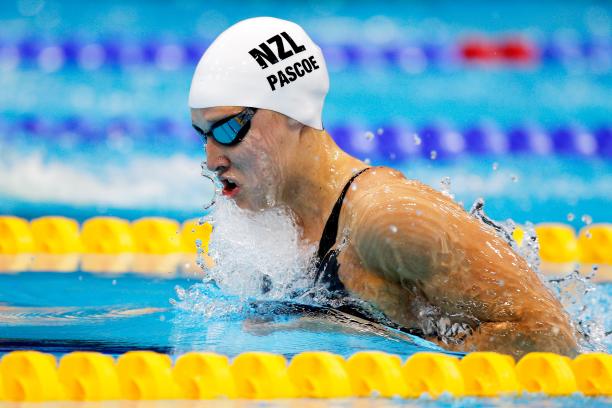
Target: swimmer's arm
x,y
262,327
517,339
405,230
411,234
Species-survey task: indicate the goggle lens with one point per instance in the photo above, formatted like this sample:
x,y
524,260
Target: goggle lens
x,y
230,131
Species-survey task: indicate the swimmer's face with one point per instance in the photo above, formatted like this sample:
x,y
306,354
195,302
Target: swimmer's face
x,y
252,170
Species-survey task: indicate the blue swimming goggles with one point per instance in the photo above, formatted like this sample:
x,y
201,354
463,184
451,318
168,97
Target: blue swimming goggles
x,y
231,130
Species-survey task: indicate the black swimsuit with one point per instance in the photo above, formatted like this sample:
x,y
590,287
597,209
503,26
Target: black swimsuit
x,y
327,267
327,258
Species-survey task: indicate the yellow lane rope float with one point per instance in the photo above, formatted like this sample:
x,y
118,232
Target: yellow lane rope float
x,y
145,375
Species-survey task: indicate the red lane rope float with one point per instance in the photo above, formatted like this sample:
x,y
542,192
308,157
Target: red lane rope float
x,y
511,50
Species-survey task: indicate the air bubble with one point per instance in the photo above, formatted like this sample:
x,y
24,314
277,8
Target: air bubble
x,y
369,135
417,139
514,178
393,229
495,166
367,160
380,131
587,219
570,217
433,155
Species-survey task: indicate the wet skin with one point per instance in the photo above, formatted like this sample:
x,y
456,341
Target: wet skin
x,y
408,248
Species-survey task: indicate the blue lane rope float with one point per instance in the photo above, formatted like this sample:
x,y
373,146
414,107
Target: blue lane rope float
x,y
411,55
391,141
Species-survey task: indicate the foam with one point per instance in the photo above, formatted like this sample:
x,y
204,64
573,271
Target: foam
x,y
143,182
258,253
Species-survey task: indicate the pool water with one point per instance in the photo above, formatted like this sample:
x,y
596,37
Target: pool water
x,y
523,188
113,314
103,133
62,312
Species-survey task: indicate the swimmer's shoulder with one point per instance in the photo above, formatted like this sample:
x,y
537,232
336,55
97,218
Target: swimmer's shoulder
x,y
385,192
372,187
388,182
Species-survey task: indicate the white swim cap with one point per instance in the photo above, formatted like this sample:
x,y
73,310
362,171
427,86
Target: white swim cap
x,y
267,63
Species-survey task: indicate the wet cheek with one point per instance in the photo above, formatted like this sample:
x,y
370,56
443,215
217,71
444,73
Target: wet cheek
x,y
243,159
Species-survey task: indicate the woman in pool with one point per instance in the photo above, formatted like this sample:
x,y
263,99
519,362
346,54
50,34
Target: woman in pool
x,y
256,98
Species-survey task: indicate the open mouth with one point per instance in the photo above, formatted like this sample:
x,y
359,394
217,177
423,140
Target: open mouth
x,y
229,188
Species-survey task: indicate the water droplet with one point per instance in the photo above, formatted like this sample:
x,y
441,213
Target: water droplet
x,y
393,229
587,219
445,184
514,178
369,135
570,217
216,187
495,166
433,155
417,139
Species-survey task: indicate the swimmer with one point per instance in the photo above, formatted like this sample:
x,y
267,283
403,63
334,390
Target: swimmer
x,y
413,253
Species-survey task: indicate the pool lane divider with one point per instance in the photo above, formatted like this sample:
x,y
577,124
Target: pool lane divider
x,y
153,246
33,376
409,55
393,140
160,246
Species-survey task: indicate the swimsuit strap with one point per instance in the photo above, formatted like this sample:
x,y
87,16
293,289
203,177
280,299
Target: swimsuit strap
x,y
328,238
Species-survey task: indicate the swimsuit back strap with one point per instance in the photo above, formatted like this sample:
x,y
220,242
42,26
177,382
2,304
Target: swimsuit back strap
x,y
328,238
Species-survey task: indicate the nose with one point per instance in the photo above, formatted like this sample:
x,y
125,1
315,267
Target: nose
x,y
216,160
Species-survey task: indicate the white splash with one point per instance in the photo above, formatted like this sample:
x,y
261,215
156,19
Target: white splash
x,y
580,297
258,254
